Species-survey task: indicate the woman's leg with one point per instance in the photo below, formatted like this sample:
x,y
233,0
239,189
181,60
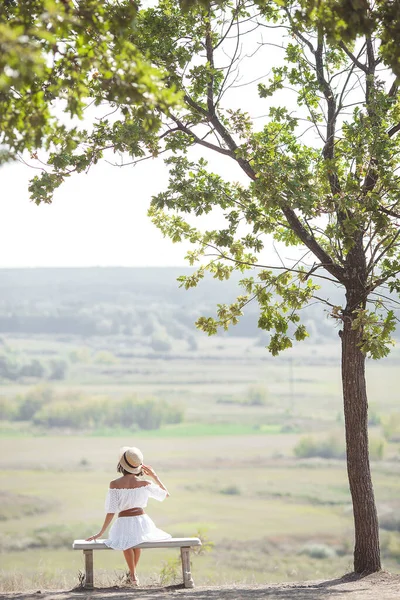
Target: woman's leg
x,y
136,552
130,561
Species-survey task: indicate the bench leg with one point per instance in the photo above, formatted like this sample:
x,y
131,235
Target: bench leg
x,y
88,569
187,575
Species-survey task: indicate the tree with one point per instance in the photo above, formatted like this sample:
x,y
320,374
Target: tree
x,y
321,178
57,54
345,20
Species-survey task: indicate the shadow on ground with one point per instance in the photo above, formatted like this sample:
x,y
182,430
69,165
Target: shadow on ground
x,y
350,587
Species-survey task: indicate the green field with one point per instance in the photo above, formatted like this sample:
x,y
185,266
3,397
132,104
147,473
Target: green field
x,y
230,466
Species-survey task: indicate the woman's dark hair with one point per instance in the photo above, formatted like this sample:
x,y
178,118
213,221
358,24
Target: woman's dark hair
x,y
120,469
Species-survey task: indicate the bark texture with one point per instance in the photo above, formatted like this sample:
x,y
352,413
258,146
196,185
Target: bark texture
x,y
366,551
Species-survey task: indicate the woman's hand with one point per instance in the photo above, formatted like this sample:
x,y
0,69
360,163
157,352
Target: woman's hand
x,y
147,470
150,472
93,538
107,521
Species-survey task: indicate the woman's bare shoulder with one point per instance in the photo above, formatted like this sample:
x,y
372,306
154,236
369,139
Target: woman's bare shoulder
x,y
123,483
143,483
116,483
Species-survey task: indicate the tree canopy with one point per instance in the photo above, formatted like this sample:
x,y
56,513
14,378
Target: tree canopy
x,y
56,56
348,178
345,20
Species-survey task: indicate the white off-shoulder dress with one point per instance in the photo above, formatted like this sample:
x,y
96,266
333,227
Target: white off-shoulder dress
x,y
127,532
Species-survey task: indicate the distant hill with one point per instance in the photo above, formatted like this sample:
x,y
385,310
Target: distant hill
x,y
128,301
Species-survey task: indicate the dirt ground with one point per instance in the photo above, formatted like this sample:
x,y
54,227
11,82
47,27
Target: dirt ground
x,y
380,586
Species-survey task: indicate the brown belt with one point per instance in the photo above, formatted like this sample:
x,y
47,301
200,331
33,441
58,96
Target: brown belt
x,y
131,512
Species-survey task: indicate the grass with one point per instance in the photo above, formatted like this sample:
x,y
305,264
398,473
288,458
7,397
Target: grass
x,y
188,430
258,532
230,470
238,565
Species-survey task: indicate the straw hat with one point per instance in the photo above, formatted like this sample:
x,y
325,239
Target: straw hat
x,y
131,459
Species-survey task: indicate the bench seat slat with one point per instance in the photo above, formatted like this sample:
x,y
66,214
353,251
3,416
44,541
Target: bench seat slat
x,y
170,543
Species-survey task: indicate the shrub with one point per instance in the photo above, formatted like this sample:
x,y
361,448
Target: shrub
x,y
227,399
231,490
391,428
160,343
333,447
374,417
33,401
377,448
150,413
85,414
58,370
94,412
59,414
81,355
32,369
309,447
391,546
318,551
9,368
390,521
8,409
105,358
257,396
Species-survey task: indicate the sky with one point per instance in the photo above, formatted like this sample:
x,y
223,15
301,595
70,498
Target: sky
x,y
96,219
100,218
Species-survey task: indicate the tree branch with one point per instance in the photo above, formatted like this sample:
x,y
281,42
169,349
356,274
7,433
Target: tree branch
x,y
200,141
326,89
195,106
210,60
393,90
353,58
394,130
389,212
312,244
259,266
300,35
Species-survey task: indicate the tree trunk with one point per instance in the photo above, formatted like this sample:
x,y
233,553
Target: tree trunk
x,y
366,550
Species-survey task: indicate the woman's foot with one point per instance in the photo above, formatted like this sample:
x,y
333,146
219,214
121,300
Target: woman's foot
x,y
134,580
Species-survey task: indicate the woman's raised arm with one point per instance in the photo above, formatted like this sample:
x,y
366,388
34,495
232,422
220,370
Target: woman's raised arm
x,y
150,472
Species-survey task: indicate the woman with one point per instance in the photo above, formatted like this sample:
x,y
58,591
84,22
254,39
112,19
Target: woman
x,y
128,496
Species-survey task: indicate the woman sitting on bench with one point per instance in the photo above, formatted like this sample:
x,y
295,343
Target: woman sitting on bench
x,y
128,496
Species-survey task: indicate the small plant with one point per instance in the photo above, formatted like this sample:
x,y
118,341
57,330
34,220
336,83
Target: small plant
x,y
81,579
169,573
206,544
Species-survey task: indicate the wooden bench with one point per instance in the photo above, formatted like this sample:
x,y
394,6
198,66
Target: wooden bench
x,y
183,543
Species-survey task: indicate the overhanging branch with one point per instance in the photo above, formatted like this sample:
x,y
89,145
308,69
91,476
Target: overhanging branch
x,y
394,130
353,58
200,141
